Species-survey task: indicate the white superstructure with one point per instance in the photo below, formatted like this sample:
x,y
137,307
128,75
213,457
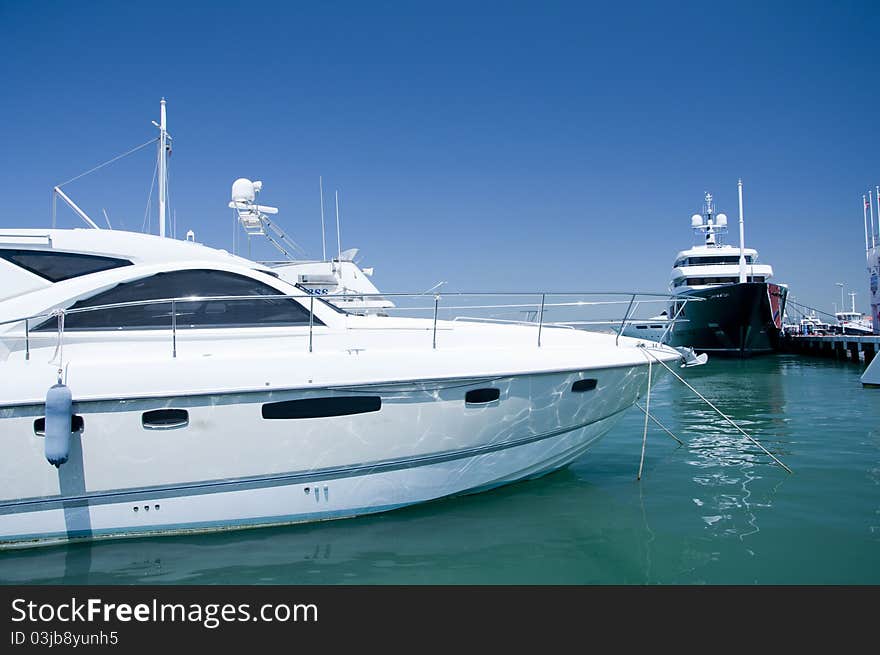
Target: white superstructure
x,y
713,262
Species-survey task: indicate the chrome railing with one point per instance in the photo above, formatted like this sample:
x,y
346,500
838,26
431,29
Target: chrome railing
x,y
538,308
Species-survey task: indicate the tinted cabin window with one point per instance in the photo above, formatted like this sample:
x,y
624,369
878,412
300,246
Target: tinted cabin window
x,y
190,314
58,266
322,407
715,259
696,281
481,396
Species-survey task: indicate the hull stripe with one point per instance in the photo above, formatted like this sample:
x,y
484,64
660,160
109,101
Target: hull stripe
x,y
83,500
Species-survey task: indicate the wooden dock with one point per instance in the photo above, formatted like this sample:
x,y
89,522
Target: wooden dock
x,y
838,346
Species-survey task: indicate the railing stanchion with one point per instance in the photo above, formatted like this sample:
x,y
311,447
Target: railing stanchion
x,y
174,328
541,318
670,325
436,304
27,340
311,319
625,317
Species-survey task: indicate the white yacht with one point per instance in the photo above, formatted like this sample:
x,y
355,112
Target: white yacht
x,y
153,386
150,386
853,322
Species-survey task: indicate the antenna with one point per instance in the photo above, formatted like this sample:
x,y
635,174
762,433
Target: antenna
x,y
338,238
742,238
323,240
107,218
709,223
852,295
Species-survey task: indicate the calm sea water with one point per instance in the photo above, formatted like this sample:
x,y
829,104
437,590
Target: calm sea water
x,y
714,511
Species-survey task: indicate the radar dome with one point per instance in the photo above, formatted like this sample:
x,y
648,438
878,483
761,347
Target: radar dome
x,y
721,220
696,220
243,190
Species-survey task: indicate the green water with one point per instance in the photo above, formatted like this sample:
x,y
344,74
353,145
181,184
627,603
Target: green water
x,y
714,511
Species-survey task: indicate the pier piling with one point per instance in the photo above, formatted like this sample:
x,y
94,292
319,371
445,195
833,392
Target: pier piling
x,y
842,347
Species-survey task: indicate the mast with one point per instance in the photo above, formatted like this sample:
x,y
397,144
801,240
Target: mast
x,y
852,295
865,212
871,216
163,165
323,240
742,247
338,238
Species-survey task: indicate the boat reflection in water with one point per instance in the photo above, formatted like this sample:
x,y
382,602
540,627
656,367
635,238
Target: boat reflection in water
x,y
727,464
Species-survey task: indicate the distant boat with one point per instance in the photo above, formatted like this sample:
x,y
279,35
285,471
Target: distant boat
x,y
813,325
854,323
741,310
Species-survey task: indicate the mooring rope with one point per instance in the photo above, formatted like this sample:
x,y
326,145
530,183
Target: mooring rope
x,y
662,427
59,347
718,411
647,414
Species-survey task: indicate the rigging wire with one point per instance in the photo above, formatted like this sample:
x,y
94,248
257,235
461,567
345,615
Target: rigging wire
x,y
171,212
144,225
109,161
801,307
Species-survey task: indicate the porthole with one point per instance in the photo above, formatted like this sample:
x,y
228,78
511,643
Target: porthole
x,y
76,425
584,385
482,396
165,419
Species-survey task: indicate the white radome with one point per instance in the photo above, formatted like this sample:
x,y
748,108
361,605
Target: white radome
x,y
243,190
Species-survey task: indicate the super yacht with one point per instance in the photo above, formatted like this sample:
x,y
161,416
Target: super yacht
x,y
741,310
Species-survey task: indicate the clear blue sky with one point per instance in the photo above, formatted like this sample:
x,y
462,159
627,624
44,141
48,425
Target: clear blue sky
x,y
551,146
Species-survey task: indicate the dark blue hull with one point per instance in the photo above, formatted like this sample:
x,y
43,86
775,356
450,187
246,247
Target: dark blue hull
x,y
738,320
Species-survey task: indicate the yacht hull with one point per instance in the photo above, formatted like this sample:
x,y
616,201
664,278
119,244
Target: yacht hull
x,y
738,320
231,470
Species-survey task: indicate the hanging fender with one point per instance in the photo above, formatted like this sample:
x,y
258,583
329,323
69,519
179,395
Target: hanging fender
x,y
59,413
